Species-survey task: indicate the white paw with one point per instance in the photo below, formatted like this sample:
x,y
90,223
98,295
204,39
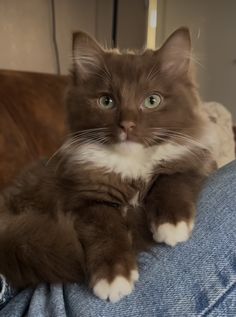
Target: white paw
x,y
117,289
172,234
134,276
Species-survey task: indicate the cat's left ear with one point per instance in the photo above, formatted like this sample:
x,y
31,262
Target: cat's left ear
x,y
87,54
174,55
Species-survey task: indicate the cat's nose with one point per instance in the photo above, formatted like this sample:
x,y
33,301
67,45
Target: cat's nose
x,y
127,126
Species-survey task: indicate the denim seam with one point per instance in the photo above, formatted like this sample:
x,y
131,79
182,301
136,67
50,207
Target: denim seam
x,y
224,291
207,309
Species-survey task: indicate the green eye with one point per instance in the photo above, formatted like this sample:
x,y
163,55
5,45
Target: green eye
x,y
152,102
106,102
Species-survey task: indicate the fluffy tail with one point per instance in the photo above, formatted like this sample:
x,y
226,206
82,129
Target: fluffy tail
x,y
38,248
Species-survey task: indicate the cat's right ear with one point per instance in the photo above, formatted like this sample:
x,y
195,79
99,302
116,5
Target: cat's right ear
x,y
87,54
175,53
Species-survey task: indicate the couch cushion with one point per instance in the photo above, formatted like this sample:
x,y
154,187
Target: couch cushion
x,y
31,120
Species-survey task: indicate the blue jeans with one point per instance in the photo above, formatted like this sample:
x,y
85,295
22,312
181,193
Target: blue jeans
x,y
195,278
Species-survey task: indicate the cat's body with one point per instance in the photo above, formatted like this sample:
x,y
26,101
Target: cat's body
x,y
130,173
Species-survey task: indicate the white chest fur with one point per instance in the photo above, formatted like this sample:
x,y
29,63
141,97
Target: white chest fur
x,y
130,160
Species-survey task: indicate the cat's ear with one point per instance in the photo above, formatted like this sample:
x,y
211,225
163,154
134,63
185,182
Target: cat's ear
x,y
175,53
87,54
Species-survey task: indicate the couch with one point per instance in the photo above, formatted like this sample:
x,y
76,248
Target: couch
x,y
31,119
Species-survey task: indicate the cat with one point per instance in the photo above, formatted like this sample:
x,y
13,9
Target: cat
x,y
128,175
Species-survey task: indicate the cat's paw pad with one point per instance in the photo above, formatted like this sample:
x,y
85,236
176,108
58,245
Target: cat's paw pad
x,y
172,234
117,289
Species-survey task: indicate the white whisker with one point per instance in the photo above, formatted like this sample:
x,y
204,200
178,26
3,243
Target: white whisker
x,y
98,135
173,141
184,137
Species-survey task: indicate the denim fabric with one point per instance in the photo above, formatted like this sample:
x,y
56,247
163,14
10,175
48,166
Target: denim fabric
x,y
196,278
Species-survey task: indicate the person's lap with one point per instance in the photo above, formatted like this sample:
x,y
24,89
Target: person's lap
x,y
196,278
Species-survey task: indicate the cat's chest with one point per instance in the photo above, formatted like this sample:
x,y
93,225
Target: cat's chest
x,y
118,174
130,162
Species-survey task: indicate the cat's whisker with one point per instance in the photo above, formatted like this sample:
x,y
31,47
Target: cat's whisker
x,y
62,148
92,129
88,137
180,135
53,155
81,132
185,146
187,143
91,137
172,128
153,72
184,138
189,140
82,138
147,141
93,65
107,72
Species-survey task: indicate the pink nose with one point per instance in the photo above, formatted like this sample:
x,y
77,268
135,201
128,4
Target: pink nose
x,y
127,126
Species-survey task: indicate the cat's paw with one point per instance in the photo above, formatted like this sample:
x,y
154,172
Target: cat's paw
x,y
172,234
117,289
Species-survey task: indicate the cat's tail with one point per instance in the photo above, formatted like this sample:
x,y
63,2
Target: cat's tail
x,y
37,248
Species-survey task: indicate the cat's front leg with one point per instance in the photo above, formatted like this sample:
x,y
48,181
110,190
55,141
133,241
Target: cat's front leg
x,y
170,207
110,260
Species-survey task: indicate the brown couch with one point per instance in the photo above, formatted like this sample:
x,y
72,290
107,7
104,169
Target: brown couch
x,y
31,119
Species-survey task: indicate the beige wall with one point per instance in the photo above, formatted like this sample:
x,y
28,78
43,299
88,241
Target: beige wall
x,y
26,32
213,28
73,15
25,35
191,13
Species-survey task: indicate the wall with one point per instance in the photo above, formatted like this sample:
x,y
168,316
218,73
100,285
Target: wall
x,y
213,29
103,27
26,35
72,15
132,23
26,32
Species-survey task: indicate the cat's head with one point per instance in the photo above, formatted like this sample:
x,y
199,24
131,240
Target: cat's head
x,y
144,97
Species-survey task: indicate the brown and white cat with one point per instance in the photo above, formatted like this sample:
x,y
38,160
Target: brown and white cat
x,y
128,175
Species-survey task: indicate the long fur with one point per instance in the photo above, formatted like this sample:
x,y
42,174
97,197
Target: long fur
x,y
112,189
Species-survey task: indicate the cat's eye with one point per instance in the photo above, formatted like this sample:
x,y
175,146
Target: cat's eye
x,y
106,102
152,101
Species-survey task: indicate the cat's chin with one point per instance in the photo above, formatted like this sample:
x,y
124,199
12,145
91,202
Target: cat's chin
x,y
130,143
128,146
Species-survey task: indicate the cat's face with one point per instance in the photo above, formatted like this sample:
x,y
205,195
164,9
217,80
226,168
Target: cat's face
x,y
143,98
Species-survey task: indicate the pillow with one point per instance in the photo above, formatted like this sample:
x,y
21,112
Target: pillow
x,y
222,135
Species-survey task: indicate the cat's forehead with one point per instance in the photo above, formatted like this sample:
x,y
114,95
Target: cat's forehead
x,y
126,62
130,70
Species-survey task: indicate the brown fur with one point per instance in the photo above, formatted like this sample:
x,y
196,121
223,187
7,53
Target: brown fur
x,y
61,215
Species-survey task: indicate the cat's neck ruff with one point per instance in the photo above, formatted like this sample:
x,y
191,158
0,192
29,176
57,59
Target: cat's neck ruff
x,y
128,159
